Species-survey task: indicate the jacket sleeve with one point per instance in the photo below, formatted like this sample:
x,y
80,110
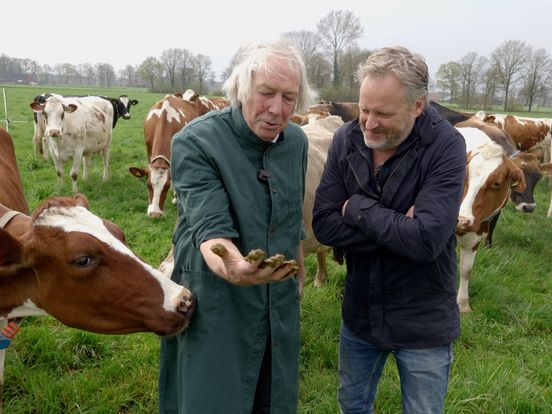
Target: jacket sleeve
x,y
425,236
328,224
199,188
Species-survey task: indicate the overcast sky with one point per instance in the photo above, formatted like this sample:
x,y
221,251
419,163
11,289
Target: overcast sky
x,y
122,33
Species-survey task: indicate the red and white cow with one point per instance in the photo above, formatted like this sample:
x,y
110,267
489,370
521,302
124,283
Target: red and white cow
x,y
165,118
205,104
320,134
89,280
121,108
528,133
76,129
490,176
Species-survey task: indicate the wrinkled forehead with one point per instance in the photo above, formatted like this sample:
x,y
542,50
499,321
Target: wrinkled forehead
x,y
80,219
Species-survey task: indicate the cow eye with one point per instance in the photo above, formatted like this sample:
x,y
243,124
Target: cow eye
x,y
83,261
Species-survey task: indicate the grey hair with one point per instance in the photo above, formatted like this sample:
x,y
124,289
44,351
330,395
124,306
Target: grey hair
x,y
239,86
410,68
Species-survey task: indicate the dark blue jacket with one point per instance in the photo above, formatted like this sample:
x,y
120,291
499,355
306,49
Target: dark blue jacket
x,y
401,272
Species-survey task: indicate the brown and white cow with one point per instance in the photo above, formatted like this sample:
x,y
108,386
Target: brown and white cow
x,y
165,118
66,262
76,129
204,103
320,134
528,133
490,176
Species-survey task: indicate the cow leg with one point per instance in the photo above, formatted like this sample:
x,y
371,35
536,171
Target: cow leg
x,y
321,268
59,168
167,266
77,158
467,258
86,160
105,157
492,225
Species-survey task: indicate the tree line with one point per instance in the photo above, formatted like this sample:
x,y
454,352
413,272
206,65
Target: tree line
x,y
514,74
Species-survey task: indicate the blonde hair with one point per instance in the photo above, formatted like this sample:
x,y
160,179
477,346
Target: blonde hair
x,y
410,68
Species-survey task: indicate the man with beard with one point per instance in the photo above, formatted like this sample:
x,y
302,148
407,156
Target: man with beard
x,y
389,199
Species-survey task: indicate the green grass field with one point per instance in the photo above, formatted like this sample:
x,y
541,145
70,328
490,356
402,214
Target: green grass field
x,y
502,359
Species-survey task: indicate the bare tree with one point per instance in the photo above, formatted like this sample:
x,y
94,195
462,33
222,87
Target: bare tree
x,y
306,42
236,59
509,61
185,67
202,66
489,87
320,71
537,76
447,78
338,30
171,58
470,67
350,60
150,70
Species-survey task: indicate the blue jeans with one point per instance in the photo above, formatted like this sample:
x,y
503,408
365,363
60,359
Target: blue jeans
x,y
424,375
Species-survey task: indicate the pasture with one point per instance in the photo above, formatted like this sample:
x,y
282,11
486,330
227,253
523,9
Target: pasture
x,y
502,360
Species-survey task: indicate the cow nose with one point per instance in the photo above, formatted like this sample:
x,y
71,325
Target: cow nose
x,y
527,207
464,222
187,304
155,214
54,133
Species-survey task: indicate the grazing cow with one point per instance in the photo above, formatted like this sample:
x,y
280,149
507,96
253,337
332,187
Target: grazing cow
x,y
490,176
320,134
165,118
66,262
76,129
121,108
524,201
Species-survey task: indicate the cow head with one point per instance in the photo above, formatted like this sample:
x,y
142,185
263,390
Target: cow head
x,y
75,266
158,179
54,112
490,176
529,164
123,106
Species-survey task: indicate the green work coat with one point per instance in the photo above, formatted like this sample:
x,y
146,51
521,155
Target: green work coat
x,y
213,366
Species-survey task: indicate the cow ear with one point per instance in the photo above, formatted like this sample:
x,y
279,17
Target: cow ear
x,y
81,200
518,180
138,172
37,107
546,169
134,102
11,253
70,108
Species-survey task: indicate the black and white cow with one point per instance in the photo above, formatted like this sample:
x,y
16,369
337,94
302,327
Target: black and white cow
x,y
121,108
75,129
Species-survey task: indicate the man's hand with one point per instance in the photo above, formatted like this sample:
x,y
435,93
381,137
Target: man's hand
x,y
223,257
